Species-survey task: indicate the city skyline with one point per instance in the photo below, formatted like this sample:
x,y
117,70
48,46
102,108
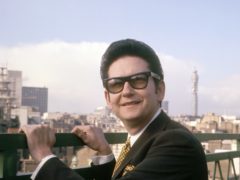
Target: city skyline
x,y
59,45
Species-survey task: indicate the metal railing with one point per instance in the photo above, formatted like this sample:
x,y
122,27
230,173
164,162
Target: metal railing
x,y
10,143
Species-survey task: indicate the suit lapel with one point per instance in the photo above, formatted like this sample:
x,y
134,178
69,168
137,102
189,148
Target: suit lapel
x,y
157,125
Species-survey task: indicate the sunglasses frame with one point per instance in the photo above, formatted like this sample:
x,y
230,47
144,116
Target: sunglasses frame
x,y
128,79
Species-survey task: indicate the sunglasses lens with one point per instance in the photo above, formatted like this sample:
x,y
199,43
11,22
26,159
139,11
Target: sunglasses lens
x,y
114,85
139,81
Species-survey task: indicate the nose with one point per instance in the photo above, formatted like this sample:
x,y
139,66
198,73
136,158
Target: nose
x,y
127,89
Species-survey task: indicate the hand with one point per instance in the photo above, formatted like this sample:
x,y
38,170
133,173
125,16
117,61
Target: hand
x,y
40,139
94,138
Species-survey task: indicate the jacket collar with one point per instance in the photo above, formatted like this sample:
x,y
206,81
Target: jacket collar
x,y
157,125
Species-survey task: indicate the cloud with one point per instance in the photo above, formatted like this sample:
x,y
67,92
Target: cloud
x,y
69,70
224,94
71,73
221,96
178,80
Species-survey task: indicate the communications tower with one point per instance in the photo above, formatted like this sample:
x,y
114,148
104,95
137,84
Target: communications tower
x,y
195,92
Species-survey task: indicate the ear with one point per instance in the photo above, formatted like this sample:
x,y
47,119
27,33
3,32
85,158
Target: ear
x,y
160,91
107,98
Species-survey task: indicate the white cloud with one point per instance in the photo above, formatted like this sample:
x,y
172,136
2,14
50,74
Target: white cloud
x,y
71,72
224,94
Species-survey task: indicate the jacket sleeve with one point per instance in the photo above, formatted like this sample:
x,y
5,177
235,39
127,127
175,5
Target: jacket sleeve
x,y
54,169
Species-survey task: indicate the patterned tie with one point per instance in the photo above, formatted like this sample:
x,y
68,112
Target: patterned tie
x,y
123,153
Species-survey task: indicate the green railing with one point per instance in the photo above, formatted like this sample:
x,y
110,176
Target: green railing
x,y
10,143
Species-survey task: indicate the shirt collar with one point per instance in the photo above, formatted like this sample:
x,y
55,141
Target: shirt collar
x,y
133,138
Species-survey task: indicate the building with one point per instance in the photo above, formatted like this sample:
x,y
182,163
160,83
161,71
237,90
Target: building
x,y
10,91
10,95
35,97
15,78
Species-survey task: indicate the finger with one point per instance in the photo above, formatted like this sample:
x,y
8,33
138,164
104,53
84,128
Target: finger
x,y
80,133
20,130
44,125
23,129
76,128
52,137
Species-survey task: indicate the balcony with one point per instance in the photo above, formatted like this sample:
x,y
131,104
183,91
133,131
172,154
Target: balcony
x,y
10,143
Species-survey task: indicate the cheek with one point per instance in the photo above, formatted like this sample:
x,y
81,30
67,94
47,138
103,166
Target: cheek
x,y
112,101
156,93
152,97
108,99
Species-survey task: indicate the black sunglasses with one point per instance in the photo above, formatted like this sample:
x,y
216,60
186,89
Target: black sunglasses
x,y
137,81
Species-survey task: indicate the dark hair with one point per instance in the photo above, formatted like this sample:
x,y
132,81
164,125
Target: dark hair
x,y
133,48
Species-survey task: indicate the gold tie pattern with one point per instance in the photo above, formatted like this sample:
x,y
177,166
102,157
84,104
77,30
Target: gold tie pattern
x,y
123,153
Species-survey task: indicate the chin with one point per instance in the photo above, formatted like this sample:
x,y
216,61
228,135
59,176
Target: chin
x,y
131,117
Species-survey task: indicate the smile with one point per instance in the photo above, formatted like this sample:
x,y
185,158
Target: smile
x,y
130,103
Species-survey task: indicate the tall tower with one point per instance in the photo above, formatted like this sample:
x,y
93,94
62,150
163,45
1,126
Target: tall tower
x,y
195,92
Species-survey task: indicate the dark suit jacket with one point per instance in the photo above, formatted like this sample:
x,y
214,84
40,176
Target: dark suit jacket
x,y
166,151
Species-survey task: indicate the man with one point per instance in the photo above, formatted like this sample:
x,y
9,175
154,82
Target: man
x,y
134,89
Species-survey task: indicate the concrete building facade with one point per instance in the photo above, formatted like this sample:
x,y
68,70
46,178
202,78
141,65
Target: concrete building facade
x,y
10,92
35,97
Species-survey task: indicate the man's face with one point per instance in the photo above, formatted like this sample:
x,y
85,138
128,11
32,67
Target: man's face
x,y
135,107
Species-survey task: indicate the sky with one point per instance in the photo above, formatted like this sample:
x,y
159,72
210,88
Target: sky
x,y
59,44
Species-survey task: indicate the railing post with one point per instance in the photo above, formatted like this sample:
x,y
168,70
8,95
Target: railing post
x,y
8,164
238,149
1,164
